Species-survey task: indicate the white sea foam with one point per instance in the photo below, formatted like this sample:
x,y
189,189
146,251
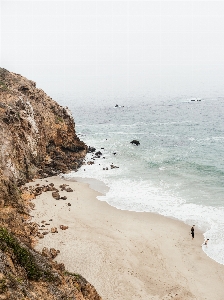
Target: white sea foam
x,y
217,138
142,195
134,124
126,133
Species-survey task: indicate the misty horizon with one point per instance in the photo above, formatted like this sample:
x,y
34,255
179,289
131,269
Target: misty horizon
x,y
116,50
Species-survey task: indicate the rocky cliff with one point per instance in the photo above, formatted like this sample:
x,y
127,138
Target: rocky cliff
x,y
37,139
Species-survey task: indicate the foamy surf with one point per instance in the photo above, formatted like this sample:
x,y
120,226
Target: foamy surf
x,y
142,196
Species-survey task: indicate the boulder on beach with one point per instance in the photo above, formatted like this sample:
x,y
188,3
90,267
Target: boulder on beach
x,y
56,195
54,230
63,227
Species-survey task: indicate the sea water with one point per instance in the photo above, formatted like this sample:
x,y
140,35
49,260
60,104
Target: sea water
x,y
176,171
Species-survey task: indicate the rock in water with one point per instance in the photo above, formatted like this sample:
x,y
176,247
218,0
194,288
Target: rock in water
x,y
135,142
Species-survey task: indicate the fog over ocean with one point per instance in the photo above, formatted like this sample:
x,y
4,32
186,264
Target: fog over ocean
x,y
116,51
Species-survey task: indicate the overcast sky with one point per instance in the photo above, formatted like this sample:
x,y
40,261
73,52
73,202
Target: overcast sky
x,y
116,49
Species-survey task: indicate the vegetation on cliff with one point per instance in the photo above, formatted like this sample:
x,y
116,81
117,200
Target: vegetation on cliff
x,y
37,139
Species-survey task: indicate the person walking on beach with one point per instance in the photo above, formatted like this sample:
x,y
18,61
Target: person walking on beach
x,y
192,232
206,242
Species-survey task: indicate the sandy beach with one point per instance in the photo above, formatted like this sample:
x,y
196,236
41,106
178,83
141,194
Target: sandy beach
x,y
125,255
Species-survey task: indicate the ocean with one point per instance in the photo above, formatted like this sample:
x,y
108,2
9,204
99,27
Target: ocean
x,y
176,171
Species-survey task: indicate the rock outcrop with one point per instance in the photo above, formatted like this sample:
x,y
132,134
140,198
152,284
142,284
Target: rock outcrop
x,y
37,139
135,142
38,135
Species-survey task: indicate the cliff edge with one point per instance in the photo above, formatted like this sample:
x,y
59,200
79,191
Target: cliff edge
x,y
37,139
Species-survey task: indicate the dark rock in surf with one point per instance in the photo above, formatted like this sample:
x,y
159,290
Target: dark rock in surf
x,y
91,149
98,154
135,142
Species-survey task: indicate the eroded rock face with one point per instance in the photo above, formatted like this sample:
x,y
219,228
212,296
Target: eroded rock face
x,y
37,135
37,139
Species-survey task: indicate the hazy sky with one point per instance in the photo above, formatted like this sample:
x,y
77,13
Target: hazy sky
x,y
116,49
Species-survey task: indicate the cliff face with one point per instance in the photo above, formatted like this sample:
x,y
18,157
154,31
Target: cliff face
x,y
37,135
37,139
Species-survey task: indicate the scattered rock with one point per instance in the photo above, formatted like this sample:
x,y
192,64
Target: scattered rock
x,y
63,186
31,205
60,267
98,154
54,230
69,204
54,252
63,227
91,149
69,189
113,167
46,252
56,195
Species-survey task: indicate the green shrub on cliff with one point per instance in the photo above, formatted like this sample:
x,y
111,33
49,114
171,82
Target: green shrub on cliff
x,y
23,256
3,86
58,120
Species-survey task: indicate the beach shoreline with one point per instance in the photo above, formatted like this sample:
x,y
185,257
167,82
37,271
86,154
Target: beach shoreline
x,y
124,254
